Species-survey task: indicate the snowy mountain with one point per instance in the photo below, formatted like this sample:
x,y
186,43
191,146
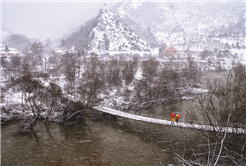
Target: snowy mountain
x,y
139,27
111,35
187,25
107,34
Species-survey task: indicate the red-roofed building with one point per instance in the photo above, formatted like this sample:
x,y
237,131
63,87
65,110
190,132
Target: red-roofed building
x,y
170,51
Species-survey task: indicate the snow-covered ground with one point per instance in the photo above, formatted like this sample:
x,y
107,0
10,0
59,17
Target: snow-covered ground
x,y
113,98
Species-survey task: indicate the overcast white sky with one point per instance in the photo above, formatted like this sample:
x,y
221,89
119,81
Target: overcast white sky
x,y
44,18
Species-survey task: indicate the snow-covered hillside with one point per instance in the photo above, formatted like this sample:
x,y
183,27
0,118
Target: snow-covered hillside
x,y
111,35
133,27
187,25
107,33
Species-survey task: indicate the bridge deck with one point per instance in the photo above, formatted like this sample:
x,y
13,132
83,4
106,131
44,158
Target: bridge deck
x,y
167,122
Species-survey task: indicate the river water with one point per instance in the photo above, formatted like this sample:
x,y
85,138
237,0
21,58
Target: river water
x,y
121,142
75,145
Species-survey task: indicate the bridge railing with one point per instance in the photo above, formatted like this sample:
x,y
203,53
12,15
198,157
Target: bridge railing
x,y
140,117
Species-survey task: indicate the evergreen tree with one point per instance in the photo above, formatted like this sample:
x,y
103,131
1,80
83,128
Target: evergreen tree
x,y
6,49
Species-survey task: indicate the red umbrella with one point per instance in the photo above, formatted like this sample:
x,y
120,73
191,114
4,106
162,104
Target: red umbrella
x,y
173,115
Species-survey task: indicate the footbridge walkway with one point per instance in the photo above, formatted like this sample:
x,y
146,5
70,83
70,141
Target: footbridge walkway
x,y
167,122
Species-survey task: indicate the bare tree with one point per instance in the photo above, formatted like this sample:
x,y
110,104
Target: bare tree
x,y
28,65
34,96
53,96
161,82
15,65
68,62
129,69
191,71
150,68
91,84
112,72
169,83
5,67
37,50
223,106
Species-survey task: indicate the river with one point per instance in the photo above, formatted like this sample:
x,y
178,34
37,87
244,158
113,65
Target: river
x,y
121,142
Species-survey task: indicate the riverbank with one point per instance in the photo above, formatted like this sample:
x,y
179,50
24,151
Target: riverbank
x,y
12,111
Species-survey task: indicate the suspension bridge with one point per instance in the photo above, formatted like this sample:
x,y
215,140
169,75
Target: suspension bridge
x,y
168,122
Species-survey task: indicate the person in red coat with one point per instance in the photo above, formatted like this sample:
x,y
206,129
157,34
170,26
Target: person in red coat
x,y
177,119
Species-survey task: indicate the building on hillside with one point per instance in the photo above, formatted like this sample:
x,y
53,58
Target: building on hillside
x,y
59,52
170,51
8,52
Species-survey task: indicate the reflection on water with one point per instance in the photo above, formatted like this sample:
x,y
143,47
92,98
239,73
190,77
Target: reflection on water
x,y
122,142
75,145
